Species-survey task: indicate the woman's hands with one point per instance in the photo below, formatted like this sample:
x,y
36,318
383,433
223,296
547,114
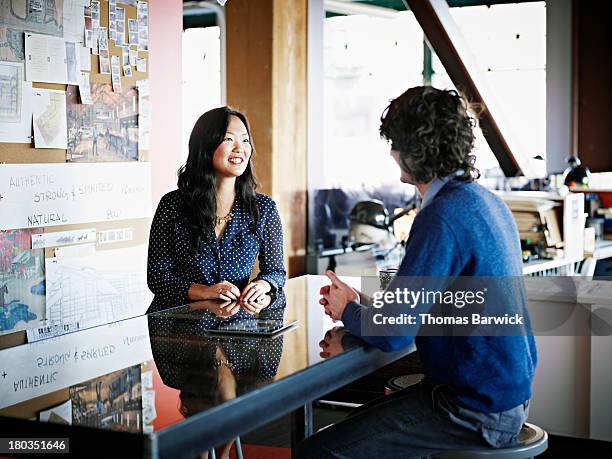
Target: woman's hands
x,y
255,307
253,298
221,309
225,291
255,291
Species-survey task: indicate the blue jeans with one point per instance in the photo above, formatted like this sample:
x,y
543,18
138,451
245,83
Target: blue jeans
x,y
418,421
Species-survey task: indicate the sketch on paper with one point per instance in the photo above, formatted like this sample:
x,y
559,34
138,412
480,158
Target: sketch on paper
x,y
107,130
98,289
113,401
49,110
32,15
11,92
22,281
15,109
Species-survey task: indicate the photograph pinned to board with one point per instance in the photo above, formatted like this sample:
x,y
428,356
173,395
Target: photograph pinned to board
x,y
15,104
127,70
112,19
15,18
22,281
104,60
133,31
132,56
120,39
116,73
141,64
142,14
95,47
125,55
89,32
102,39
85,89
50,59
95,14
49,114
107,130
113,401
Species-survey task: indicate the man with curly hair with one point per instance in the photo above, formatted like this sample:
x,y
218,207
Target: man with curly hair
x,y
476,389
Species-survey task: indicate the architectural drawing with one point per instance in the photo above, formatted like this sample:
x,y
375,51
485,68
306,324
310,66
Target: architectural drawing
x,y
42,16
49,118
11,92
87,291
16,16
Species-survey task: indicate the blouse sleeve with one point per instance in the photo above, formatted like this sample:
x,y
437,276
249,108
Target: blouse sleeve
x,y
162,273
271,260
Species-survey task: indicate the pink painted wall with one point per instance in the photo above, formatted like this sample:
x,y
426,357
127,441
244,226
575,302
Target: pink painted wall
x,y
165,35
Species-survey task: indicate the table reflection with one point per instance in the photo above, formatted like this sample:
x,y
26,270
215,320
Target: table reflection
x,y
208,368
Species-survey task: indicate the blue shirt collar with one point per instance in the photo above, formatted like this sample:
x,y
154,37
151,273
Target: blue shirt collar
x,y
436,186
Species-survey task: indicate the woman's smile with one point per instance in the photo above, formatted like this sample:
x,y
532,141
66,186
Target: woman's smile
x,y
235,160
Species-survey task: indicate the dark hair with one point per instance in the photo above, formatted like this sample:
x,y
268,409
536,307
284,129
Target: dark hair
x,y
197,179
433,131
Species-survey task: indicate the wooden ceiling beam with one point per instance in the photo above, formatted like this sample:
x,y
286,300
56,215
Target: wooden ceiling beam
x,y
445,38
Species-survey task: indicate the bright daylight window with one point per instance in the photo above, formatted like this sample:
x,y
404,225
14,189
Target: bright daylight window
x,y
371,60
201,76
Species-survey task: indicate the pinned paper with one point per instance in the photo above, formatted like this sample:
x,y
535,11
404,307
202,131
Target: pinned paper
x,y
85,89
15,107
50,59
85,59
49,109
141,64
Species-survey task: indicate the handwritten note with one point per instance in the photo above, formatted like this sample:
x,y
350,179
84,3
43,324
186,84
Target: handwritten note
x,y
35,195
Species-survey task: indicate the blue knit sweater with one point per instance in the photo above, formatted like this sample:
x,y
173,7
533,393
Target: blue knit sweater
x,y
465,231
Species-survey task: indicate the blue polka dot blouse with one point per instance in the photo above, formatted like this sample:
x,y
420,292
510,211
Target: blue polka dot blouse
x,y
174,265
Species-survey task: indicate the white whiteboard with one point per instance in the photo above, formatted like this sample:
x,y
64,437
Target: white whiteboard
x,y
35,195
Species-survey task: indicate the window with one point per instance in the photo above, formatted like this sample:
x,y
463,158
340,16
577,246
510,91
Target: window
x,y
201,76
370,60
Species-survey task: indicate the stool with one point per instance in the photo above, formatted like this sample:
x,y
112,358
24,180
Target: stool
x,y
213,455
402,382
533,441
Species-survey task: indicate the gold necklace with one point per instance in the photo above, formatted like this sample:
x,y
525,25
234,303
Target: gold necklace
x,y
223,220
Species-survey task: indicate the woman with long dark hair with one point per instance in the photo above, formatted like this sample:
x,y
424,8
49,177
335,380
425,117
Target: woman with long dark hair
x,y
206,235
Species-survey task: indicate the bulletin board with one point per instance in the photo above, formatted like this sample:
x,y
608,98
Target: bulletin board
x,y
104,128
90,121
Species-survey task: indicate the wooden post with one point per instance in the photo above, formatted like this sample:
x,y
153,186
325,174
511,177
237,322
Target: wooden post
x,y
266,79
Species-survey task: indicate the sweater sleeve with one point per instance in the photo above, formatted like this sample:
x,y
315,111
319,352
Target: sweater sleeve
x,y
162,273
431,250
271,259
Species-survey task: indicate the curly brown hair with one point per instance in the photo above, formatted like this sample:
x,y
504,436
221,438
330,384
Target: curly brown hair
x,y
433,131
